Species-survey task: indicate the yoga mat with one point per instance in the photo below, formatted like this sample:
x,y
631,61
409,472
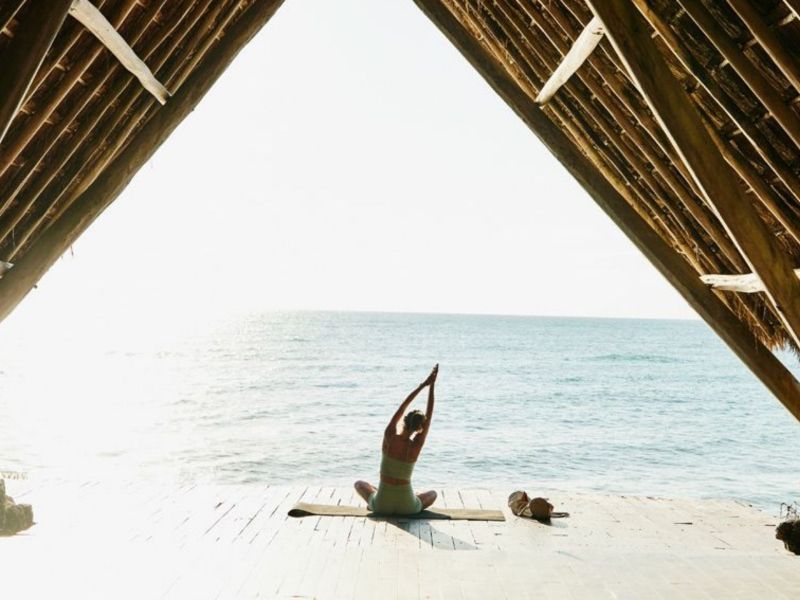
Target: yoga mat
x,y
302,509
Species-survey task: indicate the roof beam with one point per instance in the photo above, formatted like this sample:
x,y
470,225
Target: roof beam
x,y
90,17
585,43
35,32
772,373
55,240
631,37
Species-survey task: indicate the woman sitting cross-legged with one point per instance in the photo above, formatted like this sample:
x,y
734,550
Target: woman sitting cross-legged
x,y
400,451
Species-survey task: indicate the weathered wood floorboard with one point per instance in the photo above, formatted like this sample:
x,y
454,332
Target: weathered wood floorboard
x,y
138,540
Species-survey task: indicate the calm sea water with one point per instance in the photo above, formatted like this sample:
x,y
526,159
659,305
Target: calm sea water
x,y
631,406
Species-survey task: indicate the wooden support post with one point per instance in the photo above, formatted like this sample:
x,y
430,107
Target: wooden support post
x,y
23,56
670,264
631,37
16,284
585,43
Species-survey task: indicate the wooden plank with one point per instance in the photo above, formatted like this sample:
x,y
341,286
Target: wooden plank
x,y
109,184
680,275
633,551
749,283
91,18
22,57
584,45
630,36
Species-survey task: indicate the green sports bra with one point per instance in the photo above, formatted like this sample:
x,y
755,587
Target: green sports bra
x,y
399,469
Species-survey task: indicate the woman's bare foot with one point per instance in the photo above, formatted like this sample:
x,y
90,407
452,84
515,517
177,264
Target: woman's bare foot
x,y
427,498
364,489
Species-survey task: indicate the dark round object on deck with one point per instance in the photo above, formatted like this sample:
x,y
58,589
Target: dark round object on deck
x,y
789,533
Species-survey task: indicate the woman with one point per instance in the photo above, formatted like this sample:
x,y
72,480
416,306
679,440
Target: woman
x,y
400,451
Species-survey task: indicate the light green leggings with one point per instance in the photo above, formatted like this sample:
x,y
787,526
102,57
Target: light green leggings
x,y
391,499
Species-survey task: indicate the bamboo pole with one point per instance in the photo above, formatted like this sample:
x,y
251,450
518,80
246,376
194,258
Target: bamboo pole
x,y
794,6
107,186
23,56
72,34
740,339
757,139
788,120
785,60
630,35
7,11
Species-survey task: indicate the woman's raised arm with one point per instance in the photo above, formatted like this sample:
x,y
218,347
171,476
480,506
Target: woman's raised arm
x,y
392,426
429,410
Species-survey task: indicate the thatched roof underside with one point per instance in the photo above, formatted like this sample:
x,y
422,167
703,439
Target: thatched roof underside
x,y
606,117
87,125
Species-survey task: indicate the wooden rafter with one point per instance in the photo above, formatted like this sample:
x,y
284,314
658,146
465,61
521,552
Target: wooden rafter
x,y
21,60
675,269
785,116
631,37
581,50
751,132
8,9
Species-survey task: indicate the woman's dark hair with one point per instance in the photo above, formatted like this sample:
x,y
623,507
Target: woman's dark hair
x,y
414,420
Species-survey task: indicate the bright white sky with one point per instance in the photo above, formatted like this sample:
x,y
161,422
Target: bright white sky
x,y
349,159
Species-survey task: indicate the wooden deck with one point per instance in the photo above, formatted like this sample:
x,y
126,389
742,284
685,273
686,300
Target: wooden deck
x,y
141,541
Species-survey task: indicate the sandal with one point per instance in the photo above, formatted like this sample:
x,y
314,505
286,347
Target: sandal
x,y
538,508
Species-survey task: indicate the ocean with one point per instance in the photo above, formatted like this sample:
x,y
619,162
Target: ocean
x,y
646,407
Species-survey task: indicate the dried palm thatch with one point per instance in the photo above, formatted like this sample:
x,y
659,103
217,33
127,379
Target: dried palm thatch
x,y
682,123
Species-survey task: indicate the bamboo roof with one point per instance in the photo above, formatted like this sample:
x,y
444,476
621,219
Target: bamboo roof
x,y
681,118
